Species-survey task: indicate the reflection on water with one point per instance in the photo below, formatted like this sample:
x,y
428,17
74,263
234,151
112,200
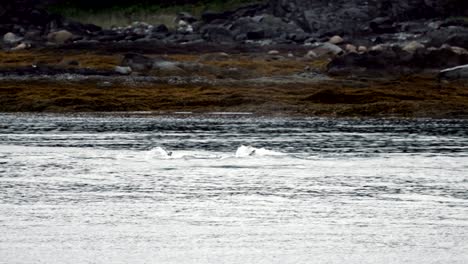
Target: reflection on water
x,y
232,190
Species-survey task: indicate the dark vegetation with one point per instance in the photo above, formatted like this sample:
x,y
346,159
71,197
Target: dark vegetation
x,y
399,96
371,98
90,4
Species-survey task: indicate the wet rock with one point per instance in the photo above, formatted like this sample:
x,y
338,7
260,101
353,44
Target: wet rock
x,y
60,37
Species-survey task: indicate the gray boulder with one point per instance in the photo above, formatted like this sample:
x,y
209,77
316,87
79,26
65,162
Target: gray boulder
x,y
60,37
11,38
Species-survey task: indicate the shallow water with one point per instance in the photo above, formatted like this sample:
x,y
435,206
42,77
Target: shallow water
x,y
88,189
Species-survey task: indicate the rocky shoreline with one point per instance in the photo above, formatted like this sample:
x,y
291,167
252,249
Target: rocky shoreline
x,y
289,57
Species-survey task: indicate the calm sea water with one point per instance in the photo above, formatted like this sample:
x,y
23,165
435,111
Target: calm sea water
x,y
211,189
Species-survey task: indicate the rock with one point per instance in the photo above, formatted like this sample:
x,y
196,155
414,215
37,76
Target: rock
x,y
336,40
216,33
459,40
351,48
454,21
124,70
324,17
395,60
266,27
379,47
91,28
328,49
139,24
413,46
440,58
311,55
435,24
21,46
256,34
299,37
11,38
454,36
188,38
166,66
184,27
137,62
273,52
459,50
33,35
455,73
60,37
161,28
362,49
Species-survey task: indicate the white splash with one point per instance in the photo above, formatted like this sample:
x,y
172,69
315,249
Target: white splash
x,y
249,151
159,152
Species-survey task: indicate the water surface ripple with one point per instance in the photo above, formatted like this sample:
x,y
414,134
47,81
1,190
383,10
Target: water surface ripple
x,y
135,189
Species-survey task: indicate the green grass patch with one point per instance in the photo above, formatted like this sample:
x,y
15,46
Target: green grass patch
x,y
122,15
